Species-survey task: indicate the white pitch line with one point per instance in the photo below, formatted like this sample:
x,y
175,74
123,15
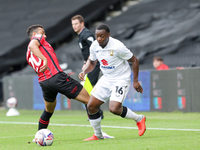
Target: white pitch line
x,y
78,125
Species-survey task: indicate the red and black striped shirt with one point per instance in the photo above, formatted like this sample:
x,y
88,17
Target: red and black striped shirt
x,y
48,52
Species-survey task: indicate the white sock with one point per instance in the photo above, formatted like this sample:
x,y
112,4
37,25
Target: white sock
x,y
96,124
131,115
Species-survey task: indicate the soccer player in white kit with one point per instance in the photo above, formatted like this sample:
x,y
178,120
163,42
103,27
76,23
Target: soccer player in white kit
x,y
114,84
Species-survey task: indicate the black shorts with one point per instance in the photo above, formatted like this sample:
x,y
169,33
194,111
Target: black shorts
x,y
94,75
60,83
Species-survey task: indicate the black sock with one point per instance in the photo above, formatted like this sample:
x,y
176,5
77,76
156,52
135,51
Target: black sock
x,y
95,115
124,111
100,112
44,120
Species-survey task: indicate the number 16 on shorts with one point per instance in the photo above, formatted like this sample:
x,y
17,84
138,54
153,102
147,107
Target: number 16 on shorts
x,y
119,94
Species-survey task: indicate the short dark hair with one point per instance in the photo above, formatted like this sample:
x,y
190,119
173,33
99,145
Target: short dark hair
x,y
32,29
103,27
158,58
79,17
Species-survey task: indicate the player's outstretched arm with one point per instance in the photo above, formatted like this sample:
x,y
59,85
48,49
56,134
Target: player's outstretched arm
x,y
90,65
34,47
135,67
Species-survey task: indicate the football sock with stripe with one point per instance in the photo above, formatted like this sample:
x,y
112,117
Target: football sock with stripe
x,y
95,121
44,120
127,113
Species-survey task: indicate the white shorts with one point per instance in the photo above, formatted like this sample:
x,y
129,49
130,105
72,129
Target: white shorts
x,y
106,90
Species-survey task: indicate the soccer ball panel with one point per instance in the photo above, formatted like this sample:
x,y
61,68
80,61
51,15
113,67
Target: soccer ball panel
x,y
44,137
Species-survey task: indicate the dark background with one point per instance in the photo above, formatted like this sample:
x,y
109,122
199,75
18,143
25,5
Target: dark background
x,y
168,28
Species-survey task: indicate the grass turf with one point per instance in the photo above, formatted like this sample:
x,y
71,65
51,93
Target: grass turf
x,y
164,131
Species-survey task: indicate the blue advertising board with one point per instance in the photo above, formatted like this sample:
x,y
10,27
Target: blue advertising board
x,y
137,101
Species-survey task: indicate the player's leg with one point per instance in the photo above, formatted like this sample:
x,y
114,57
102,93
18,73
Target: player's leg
x,y
93,77
95,118
115,106
117,109
99,95
73,89
49,96
50,106
94,114
83,96
46,115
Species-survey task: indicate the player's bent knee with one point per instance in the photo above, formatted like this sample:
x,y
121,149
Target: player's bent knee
x,y
92,109
114,109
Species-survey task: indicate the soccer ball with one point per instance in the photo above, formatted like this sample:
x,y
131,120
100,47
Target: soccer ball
x,y
11,102
44,137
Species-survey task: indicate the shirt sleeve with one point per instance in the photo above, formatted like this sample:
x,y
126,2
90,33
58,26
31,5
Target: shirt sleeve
x,y
123,52
86,52
40,38
92,52
89,40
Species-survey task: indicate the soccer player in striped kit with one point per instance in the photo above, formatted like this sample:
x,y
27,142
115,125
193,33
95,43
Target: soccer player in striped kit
x,y
42,58
51,77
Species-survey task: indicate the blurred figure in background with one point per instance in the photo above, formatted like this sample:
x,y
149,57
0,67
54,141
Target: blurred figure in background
x,y
159,64
85,40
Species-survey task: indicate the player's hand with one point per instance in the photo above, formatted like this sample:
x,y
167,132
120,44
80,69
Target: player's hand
x,y
81,76
137,87
45,66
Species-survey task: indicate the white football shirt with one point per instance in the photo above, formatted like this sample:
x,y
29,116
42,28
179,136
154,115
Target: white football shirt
x,y
113,59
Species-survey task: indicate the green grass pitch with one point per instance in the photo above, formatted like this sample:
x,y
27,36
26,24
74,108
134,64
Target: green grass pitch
x,y
165,131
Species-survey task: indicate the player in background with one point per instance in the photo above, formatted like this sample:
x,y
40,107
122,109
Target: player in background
x,y
114,84
51,77
85,40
